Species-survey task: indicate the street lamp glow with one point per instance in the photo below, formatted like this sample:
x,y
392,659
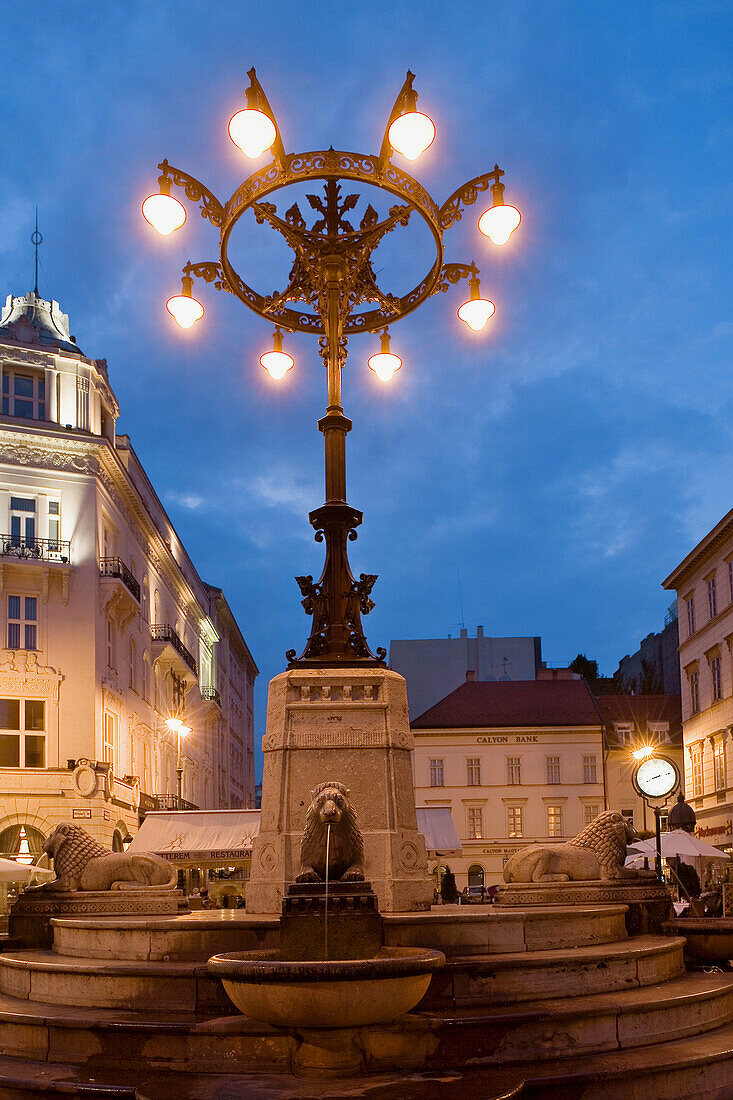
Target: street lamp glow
x,y
184,308
411,134
277,362
477,310
252,131
385,362
500,220
174,724
643,753
184,730
163,211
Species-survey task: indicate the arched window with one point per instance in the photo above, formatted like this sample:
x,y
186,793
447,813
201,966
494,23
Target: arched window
x,y
156,608
158,698
476,875
22,840
146,677
133,665
146,601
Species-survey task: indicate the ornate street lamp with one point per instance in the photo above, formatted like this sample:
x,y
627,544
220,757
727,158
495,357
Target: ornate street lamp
x,y
334,284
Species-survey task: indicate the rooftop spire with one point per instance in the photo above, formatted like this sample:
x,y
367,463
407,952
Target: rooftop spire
x,y
36,239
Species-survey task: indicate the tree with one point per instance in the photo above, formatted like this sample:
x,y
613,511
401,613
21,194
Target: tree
x,y
586,668
448,888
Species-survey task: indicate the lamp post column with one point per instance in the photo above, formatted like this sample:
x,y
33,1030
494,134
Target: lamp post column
x,y
179,767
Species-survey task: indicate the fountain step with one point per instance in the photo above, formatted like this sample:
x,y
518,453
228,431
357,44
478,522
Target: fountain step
x,y
693,1004
535,975
453,929
50,978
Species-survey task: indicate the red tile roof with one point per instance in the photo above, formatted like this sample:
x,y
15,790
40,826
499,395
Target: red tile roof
x,y
492,704
640,709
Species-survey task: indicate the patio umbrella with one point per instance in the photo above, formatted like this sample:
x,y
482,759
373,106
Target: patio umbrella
x,y
10,871
675,843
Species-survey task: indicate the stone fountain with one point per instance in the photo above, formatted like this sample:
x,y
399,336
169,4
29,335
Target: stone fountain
x,y
332,973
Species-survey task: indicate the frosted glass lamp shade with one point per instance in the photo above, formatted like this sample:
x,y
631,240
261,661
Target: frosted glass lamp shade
x,y
252,131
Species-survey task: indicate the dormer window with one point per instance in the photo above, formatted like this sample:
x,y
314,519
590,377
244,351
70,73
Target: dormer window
x,y
24,394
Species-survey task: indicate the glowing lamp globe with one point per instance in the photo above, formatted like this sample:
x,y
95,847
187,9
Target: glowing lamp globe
x,y
476,312
184,308
252,131
277,362
411,134
174,724
164,212
385,362
499,222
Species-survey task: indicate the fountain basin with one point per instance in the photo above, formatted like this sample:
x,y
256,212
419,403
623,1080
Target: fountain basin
x,y
709,939
326,994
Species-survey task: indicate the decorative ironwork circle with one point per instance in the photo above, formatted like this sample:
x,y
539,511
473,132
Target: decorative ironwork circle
x,y
331,165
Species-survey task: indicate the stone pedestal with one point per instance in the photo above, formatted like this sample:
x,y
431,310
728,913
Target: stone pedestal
x,y
31,914
341,924
649,901
350,725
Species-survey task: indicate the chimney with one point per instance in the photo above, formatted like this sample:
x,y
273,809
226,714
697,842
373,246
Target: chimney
x,y
470,675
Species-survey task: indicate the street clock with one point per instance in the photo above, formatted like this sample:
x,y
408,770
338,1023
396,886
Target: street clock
x,y
656,777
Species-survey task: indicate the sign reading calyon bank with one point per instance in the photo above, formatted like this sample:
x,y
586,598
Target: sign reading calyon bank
x,y
507,739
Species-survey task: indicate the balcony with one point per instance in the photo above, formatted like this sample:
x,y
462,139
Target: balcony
x,y
170,652
115,567
172,802
211,695
33,549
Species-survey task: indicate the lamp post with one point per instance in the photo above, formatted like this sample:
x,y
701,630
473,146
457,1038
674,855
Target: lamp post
x,y
334,283
181,730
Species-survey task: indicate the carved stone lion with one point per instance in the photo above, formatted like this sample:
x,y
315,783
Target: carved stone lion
x,y
596,853
331,806
81,863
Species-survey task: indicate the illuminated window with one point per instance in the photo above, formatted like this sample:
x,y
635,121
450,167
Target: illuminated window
x,y
697,788
590,769
473,771
554,820
82,403
716,679
475,822
712,598
22,733
719,765
553,769
591,811
513,770
54,526
514,822
133,665
624,732
22,622
110,644
690,603
694,692
146,678
24,394
436,773
110,746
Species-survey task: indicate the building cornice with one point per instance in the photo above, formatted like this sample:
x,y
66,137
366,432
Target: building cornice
x,y
698,556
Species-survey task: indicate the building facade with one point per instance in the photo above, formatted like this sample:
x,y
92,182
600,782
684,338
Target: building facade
x,y
517,762
704,586
655,667
106,628
433,667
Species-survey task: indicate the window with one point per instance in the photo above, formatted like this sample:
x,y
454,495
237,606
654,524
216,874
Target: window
x,y
514,823
697,789
22,521
146,601
719,765
624,732
24,394
22,622
730,580
553,769
82,403
133,665
54,526
110,644
716,679
554,820
513,770
22,733
146,678
590,769
133,770
436,773
694,692
475,822
690,603
110,747
476,875
473,771
591,811
712,598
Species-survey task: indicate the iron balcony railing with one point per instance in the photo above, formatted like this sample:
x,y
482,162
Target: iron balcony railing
x,y
33,549
172,802
211,693
115,567
166,633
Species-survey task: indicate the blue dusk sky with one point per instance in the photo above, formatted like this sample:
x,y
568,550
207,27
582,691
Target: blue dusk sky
x,y
557,466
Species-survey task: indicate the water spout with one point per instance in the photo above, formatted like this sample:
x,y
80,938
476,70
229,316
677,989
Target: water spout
x,y
325,911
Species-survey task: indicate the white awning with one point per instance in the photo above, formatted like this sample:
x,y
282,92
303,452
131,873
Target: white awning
x,y
198,836
436,825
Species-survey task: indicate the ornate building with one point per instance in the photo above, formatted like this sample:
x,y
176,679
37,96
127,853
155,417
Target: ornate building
x,y
106,629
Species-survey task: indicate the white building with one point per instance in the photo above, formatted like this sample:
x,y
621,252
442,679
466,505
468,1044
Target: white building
x,y
515,762
704,586
106,628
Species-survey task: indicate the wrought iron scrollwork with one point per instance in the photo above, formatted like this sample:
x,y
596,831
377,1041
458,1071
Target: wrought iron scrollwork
x,y
451,212
211,208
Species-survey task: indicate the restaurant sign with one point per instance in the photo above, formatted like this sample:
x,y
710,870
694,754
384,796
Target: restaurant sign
x,y
714,830
207,856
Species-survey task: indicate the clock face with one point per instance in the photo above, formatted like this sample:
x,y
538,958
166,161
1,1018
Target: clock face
x,y
656,778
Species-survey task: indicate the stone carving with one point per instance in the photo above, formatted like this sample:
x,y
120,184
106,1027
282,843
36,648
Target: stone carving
x,y
81,863
596,853
331,806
